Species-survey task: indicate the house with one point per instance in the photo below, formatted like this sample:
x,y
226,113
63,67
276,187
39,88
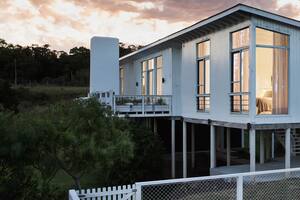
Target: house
x,y
237,71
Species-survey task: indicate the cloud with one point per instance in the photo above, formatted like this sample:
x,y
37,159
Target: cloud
x,y
68,23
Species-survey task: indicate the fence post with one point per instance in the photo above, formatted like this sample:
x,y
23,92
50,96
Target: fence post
x,y
138,193
239,189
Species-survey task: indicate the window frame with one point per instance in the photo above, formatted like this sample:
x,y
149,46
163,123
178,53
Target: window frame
x,y
204,95
122,79
154,75
239,94
275,47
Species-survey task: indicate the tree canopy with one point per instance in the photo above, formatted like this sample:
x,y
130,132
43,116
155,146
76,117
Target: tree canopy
x,y
40,64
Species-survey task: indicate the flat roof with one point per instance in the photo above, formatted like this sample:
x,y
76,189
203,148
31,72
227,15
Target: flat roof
x,y
239,9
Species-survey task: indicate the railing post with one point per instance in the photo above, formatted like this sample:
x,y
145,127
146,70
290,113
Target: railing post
x,y
143,104
239,189
138,193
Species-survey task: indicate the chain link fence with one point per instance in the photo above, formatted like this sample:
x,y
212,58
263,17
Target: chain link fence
x,y
265,185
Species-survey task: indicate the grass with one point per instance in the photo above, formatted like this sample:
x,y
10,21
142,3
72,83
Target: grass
x,y
42,95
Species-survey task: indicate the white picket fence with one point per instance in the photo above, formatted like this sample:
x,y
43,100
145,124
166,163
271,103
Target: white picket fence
x,y
125,192
273,184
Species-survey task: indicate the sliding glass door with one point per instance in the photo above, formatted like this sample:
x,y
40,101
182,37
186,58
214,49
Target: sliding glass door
x,y
271,72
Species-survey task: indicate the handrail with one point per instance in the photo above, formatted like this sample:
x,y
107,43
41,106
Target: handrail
x,y
142,96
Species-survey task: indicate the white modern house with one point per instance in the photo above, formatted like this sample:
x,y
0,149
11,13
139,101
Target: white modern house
x,y
236,70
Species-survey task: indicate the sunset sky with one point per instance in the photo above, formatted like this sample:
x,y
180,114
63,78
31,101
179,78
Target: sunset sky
x,y
67,23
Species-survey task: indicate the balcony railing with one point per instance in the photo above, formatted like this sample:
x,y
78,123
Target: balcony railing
x,y
142,105
136,105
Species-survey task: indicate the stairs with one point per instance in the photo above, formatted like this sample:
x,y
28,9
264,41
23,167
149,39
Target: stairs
x,y
295,140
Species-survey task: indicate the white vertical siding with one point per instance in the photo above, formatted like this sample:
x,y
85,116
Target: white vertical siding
x,y
220,77
180,73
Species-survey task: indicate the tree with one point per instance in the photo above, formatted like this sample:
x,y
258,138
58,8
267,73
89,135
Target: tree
x,y
80,136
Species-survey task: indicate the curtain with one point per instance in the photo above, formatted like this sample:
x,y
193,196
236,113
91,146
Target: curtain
x,y
280,78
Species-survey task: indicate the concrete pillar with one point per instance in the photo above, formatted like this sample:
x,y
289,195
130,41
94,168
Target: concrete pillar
x,y
212,147
242,138
184,150
261,148
252,149
287,148
273,146
193,145
173,147
228,146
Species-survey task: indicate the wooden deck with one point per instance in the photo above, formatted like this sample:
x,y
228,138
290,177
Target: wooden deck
x,y
278,163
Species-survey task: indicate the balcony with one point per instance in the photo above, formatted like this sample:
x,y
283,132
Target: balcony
x,y
143,105
137,105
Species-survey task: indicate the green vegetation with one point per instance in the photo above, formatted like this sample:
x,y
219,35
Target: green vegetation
x,y
51,142
32,65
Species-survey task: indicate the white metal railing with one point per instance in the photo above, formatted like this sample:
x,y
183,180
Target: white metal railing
x,y
273,184
142,104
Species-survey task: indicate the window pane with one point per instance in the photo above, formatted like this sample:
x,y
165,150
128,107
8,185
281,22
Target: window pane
x,y
159,63
201,73
121,80
236,67
150,82
240,38
159,81
271,81
266,37
150,64
236,103
207,77
144,66
204,49
245,71
144,83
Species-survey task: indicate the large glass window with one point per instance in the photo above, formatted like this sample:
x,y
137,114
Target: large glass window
x,y
152,76
144,77
271,72
203,80
121,81
239,96
159,75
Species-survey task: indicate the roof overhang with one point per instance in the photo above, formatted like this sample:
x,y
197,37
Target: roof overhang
x,y
224,19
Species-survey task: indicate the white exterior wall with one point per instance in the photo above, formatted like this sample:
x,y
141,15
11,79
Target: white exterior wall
x,y
104,66
220,78
129,79
176,76
180,73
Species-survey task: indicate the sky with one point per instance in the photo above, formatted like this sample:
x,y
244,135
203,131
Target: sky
x,y
68,23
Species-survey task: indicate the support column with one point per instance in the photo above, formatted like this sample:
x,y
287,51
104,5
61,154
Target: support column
x,y
193,145
261,148
273,146
184,172
228,146
252,149
173,158
222,139
212,147
154,125
242,138
287,148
